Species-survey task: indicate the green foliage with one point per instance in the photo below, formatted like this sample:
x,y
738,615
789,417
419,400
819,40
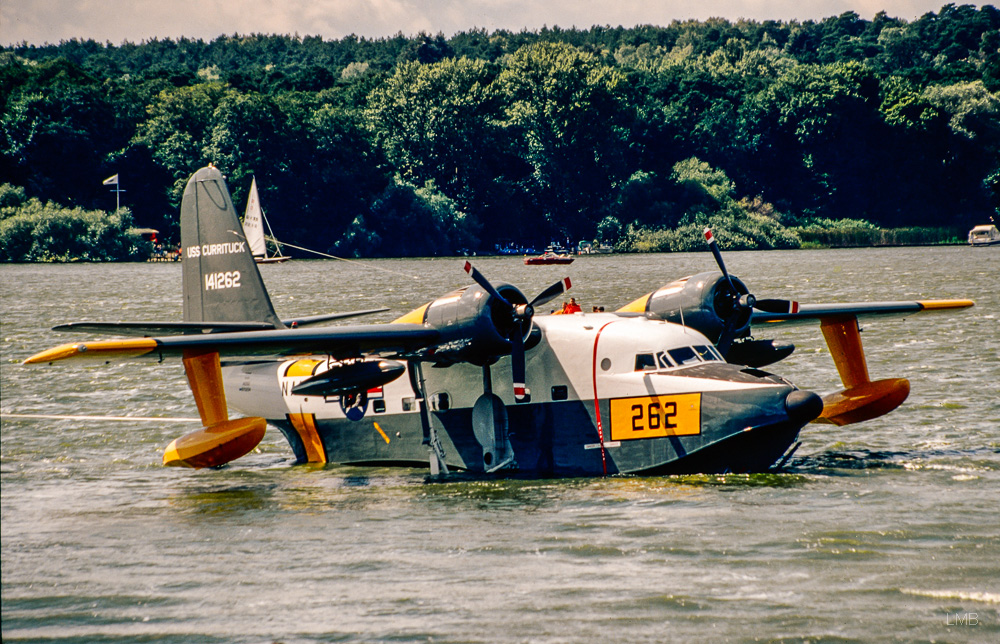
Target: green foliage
x,y
555,95
529,136
11,198
707,184
437,123
31,231
845,233
609,231
906,107
738,225
178,127
974,110
734,227
406,221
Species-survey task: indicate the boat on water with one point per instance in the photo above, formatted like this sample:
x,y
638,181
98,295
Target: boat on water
x,y
985,235
548,257
253,228
592,248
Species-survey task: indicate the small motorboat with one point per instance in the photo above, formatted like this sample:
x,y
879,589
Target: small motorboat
x,y
548,257
986,235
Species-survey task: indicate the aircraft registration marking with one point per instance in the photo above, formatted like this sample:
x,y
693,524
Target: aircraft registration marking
x,y
655,416
221,280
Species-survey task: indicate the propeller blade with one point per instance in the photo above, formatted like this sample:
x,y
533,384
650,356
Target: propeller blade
x,y
517,364
551,292
777,306
520,315
482,281
714,247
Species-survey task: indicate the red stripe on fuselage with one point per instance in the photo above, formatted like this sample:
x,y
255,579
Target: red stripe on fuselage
x,y
597,402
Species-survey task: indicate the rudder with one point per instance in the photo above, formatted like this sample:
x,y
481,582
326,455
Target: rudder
x,y
221,280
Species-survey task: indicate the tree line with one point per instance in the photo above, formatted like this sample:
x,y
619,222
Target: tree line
x,y
428,145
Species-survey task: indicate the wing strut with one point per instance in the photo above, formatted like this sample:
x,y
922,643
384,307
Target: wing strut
x,y
862,398
220,440
431,438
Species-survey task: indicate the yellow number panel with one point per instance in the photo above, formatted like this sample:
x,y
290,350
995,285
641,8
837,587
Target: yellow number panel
x,y
655,416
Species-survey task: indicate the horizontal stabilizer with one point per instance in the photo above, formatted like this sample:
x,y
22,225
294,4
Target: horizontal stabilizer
x,y
148,329
329,317
808,312
151,329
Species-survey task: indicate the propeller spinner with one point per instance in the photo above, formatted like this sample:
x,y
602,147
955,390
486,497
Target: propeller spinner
x,y
520,316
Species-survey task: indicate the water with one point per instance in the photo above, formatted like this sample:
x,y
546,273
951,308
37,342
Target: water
x,y
888,531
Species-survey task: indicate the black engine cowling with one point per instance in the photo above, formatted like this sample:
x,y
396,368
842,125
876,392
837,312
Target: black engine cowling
x,y
704,302
474,325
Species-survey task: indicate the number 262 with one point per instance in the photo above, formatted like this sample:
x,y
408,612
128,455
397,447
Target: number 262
x,y
654,416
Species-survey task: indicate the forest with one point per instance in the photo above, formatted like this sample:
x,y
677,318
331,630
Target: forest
x,y
431,145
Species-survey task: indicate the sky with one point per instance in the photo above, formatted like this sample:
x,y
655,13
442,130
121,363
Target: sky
x,y
51,21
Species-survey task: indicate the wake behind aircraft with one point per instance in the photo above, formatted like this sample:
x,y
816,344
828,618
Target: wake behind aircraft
x,y
475,381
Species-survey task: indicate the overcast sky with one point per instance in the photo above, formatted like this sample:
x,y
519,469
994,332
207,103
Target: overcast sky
x,y
116,21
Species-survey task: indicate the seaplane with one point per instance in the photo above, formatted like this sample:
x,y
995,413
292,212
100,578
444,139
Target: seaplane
x,y
475,382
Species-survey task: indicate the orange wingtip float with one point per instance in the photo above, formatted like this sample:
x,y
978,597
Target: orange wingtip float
x,y
221,440
862,398
864,402
216,445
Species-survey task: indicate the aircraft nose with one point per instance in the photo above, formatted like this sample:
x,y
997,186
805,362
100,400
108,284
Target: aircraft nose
x,y
803,406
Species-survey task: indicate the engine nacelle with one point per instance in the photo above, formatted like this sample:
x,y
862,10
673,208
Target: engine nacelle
x,y
473,325
348,376
703,302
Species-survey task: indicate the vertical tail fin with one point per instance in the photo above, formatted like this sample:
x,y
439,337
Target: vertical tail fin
x,y
221,280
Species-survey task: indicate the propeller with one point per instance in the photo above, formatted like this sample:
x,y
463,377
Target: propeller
x,y
521,315
742,303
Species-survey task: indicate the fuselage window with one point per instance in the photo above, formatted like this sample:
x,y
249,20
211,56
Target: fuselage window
x,y
645,362
684,356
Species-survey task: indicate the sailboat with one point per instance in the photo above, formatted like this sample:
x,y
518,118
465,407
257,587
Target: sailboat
x,y
253,227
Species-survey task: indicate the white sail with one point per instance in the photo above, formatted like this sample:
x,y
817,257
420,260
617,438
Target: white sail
x,y
253,223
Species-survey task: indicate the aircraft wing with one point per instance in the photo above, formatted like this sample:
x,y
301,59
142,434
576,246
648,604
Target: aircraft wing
x,y
346,341
809,312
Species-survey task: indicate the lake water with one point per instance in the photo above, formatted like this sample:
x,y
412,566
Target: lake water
x,y
887,531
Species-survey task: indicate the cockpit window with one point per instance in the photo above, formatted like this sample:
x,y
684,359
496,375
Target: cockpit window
x,y
645,362
706,353
684,356
679,357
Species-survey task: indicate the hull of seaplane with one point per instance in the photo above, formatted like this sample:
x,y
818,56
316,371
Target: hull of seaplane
x,y
596,413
